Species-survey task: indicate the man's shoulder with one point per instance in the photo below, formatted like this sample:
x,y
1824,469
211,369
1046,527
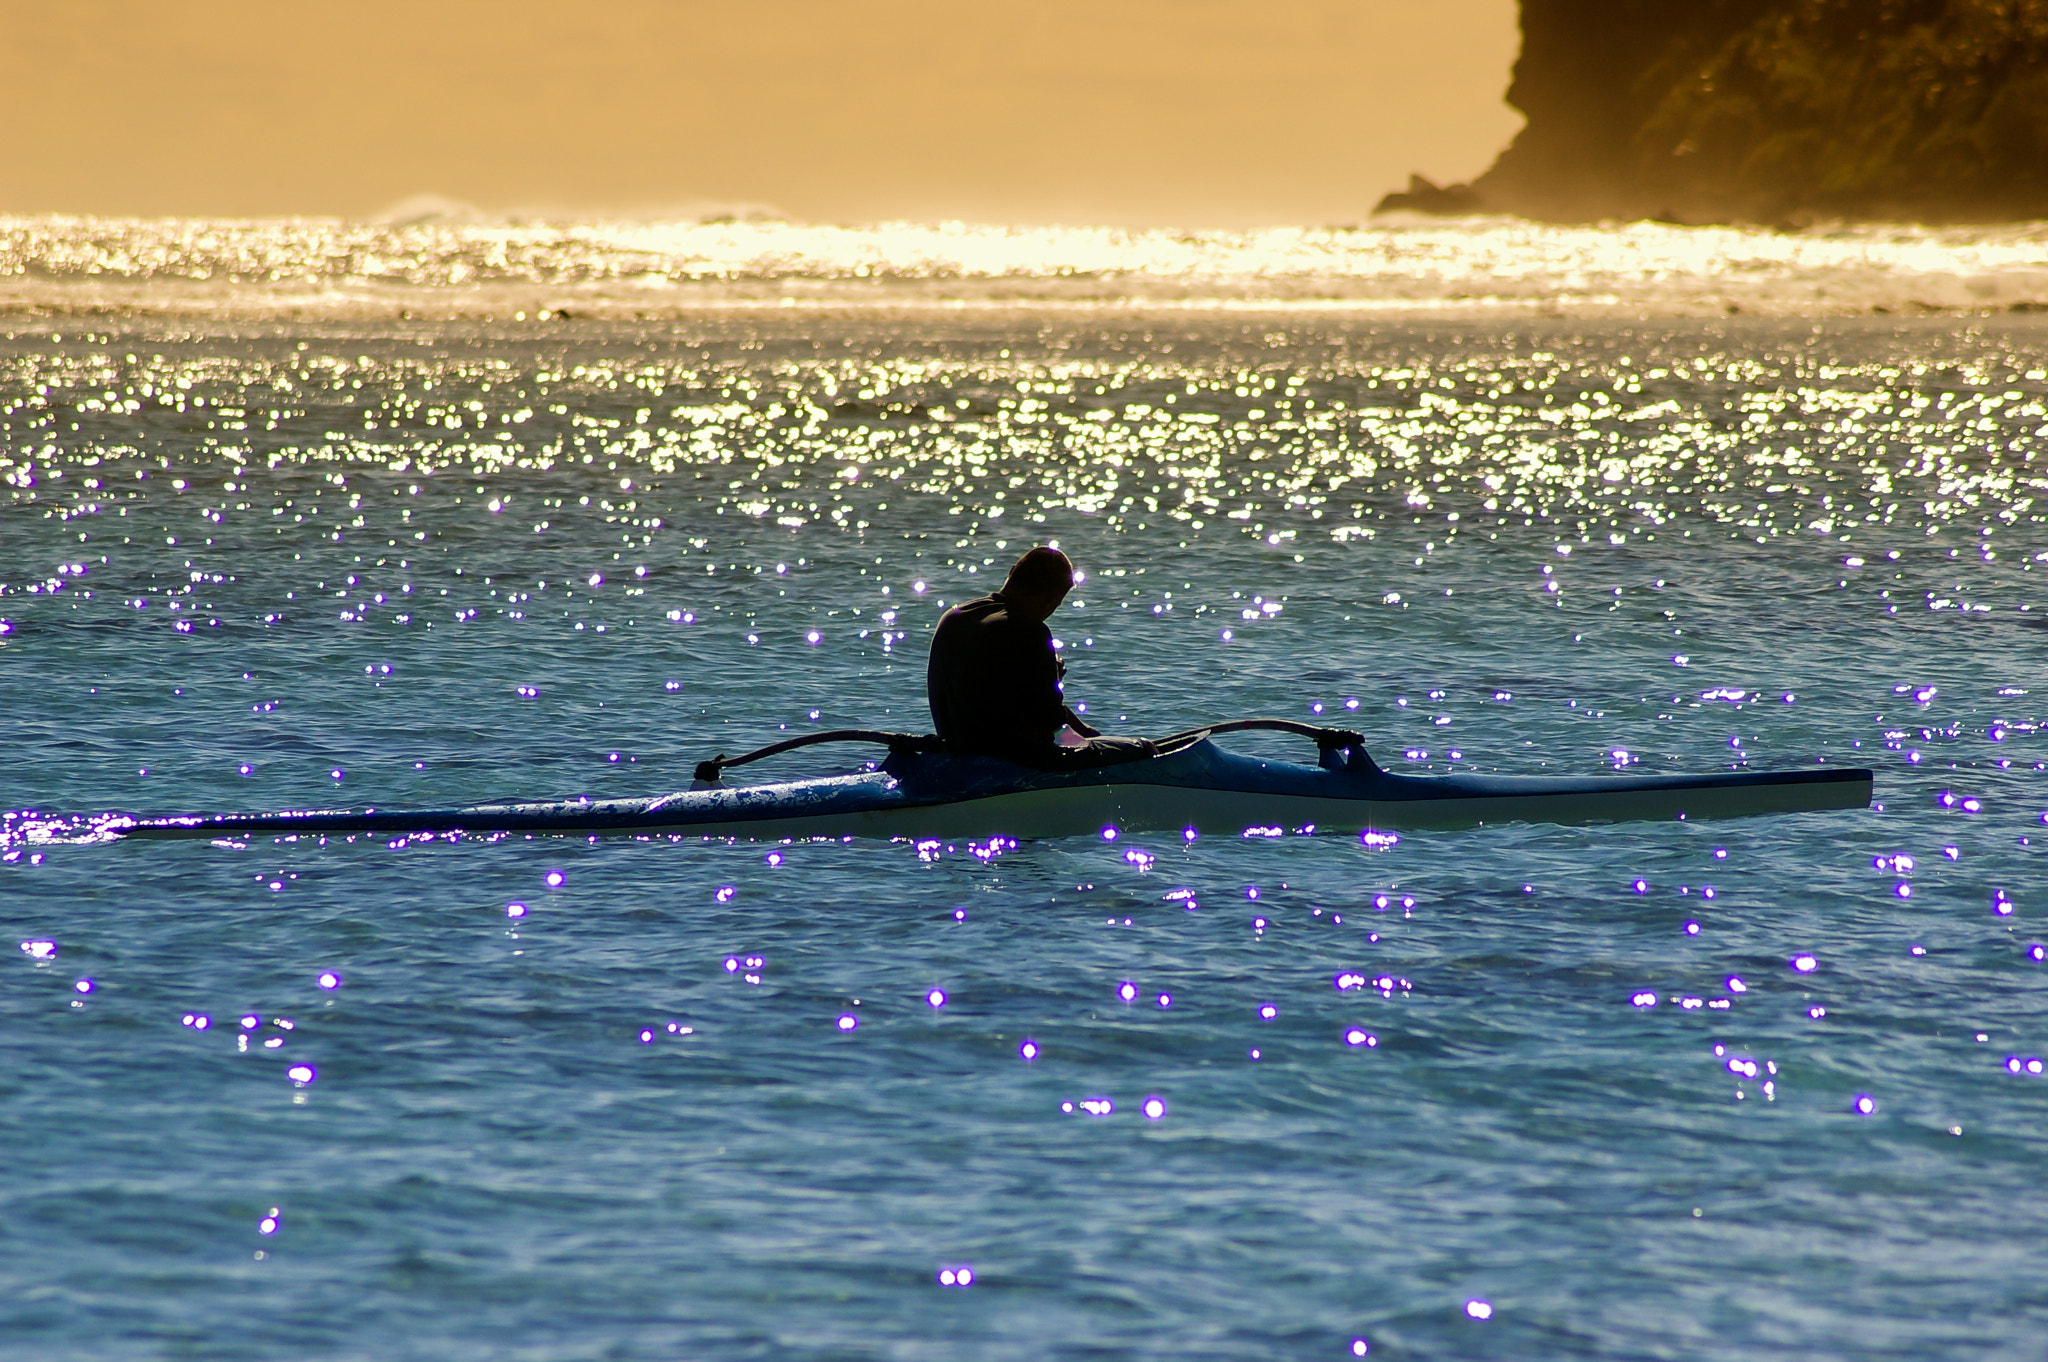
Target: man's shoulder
x,y
988,619
982,609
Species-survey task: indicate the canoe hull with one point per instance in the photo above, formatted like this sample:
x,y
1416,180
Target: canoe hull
x,y
1202,788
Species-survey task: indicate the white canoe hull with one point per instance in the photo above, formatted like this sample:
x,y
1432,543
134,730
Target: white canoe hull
x,y
1201,788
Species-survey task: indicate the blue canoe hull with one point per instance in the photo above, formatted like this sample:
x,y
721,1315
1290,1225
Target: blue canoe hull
x,y
1201,787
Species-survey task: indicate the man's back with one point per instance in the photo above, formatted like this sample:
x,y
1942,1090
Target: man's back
x,y
994,681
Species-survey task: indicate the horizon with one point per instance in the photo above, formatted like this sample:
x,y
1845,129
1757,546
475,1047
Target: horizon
x,y
1141,113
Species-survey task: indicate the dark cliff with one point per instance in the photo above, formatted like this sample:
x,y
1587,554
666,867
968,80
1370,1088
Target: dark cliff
x,y
1771,111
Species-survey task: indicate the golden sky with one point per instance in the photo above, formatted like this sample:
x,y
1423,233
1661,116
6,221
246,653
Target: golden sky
x,y
1199,113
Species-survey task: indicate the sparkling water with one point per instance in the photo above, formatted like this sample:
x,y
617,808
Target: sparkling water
x,y
1769,1087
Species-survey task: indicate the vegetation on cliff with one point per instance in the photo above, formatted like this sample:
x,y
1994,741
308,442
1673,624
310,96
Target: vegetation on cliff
x,y
1772,111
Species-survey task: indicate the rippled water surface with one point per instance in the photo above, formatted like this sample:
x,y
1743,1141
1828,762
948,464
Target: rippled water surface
x,y
1756,1088
1482,267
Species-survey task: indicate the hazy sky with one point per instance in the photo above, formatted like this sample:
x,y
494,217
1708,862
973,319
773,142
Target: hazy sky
x,y
1181,112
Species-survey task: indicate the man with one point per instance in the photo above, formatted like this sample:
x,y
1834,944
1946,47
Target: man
x,y
994,679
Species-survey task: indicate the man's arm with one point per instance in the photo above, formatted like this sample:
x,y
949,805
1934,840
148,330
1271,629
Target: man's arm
x,y
1027,671
1078,724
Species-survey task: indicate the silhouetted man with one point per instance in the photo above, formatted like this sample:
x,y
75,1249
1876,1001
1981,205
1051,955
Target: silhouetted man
x,y
994,679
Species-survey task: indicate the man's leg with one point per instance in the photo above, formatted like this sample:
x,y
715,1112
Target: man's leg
x,y
1101,752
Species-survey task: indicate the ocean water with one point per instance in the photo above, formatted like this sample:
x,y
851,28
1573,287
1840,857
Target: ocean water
x,y
1768,1087
459,268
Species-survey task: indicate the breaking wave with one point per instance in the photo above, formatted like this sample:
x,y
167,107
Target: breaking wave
x,y
444,264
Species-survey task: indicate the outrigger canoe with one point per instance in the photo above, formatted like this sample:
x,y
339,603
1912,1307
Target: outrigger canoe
x,y
919,791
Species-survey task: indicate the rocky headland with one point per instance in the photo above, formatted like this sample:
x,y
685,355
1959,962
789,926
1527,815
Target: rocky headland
x,y
1771,111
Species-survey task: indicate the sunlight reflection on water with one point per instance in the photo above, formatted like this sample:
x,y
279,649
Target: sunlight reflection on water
x,y
457,564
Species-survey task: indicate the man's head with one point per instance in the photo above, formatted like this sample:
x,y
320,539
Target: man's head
x,y
1038,582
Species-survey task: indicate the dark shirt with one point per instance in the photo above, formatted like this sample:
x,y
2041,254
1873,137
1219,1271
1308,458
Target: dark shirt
x,y
994,682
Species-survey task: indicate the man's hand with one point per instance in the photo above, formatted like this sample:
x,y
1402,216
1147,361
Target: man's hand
x,y
1081,726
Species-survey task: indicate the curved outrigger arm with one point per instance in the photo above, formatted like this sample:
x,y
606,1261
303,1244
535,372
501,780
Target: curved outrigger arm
x,y
1331,742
